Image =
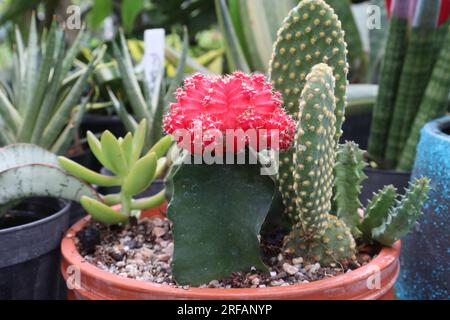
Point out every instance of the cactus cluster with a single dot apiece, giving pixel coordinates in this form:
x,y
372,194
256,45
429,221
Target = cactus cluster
x,y
133,173
313,83
310,34
321,166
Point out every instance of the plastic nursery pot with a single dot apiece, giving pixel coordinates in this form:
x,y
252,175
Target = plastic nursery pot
x,y
97,123
378,178
372,281
30,235
356,126
425,273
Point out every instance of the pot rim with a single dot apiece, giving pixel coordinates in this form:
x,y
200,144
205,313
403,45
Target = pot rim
x,y
65,206
385,258
436,126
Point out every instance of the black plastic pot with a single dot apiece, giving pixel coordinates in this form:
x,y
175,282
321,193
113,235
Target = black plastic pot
x,y
30,236
87,160
356,127
97,123
378,178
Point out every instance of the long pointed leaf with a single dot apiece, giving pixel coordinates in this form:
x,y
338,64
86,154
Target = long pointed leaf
x,y
235,55
47,63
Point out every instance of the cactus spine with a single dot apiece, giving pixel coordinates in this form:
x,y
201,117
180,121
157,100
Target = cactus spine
x,y
349,176
310,34
402,218
376,210
318,235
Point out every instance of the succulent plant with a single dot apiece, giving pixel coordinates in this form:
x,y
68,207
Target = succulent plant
x,y
144,104
27,170
42,106
319,165
412,90
132,172
311,34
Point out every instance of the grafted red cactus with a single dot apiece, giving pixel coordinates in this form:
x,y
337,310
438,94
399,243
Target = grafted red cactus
x,y
208,106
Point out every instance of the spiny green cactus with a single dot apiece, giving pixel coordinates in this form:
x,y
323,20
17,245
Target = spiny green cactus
x,y
349,176
403,217
318,235
376,210
310,34
356,55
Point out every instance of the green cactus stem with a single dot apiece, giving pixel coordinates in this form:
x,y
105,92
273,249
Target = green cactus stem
x,y
317,236
356,55
434,104
349,176
377,209
310,34
391,70
416,72
213,237
402,218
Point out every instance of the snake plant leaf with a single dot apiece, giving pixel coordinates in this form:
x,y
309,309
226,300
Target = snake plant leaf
x,y
23,153
179,72
31,113
101,212
41,180
74,50
129,80
51,96
88,175
112,150
13,120
215,236
57,122
127,120
29,82
140,175
66,137
235,55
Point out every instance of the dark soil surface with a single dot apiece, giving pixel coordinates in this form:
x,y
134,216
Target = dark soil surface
x,y
143,250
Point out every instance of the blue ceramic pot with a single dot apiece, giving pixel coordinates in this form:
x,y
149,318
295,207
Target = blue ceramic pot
x,y
425,259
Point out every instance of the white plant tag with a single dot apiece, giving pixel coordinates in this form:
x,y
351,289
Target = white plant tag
x,y
153,61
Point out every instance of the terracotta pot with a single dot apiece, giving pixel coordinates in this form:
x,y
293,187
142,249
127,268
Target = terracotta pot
x,y
96,284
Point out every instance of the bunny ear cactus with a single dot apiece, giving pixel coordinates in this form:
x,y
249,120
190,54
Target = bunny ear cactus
x,y
132,173
310,34
319,165
318,235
